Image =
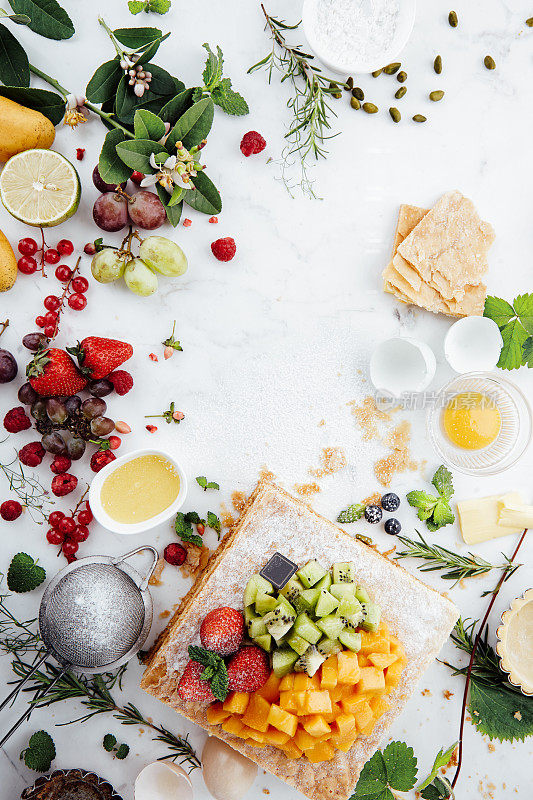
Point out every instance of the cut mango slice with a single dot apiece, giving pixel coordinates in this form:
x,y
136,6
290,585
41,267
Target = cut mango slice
x,y
236,702
318,703
216,714
282,720
316,725
256,714
382,660
270,690
348,667
322,751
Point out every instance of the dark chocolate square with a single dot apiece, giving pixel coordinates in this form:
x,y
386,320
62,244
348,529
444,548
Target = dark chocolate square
x,y
279,570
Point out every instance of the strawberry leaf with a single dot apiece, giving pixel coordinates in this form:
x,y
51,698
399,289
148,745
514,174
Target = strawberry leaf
x,y
400,765
500,713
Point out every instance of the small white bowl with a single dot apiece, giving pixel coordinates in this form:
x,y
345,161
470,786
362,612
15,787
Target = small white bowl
x,y
473,344
135,527
402,364
406,21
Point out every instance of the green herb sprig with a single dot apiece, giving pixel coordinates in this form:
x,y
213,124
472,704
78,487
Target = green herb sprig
x,y
218,88
29,490
110,745
24,574
515,322
40,752
351,513
184,522
202,481
156,6
435,511
215,672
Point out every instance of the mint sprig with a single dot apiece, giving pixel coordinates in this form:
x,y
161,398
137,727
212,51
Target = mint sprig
x,y
157,6
435,511
215,672
184,522
202,481
219,88
515,322
24,574
40,752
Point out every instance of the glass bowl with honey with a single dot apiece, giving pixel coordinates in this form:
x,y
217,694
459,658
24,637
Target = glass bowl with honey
x,y
138,491
479,423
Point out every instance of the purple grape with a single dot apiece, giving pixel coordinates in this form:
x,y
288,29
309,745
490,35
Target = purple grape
x,y
56,410
8,366
146,210
101,426
54,443
93,407
110,212
75,446
38,410
27,394
101,185
72,404
100,388
33,341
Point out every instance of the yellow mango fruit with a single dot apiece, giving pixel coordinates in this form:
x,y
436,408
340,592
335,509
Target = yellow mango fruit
x,y
22,128
8,261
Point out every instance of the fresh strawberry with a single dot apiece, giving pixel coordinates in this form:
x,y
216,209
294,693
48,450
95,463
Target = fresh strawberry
x,y
53,372
98,357
191,685
248,670
222,630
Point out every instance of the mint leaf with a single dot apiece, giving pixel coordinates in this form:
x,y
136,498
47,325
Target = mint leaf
x,y
229,100
213,67
443,482
40,752
122,752
351,513
422,500
218,87
184,529
202,481
442,514
523,305
213,521
136,6
435,511
439,789
442,759
215,670
109,742
514,336
498,310
192,516
24,574
400,766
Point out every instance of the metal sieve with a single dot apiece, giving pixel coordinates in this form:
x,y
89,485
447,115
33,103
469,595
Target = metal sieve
x,y
94,616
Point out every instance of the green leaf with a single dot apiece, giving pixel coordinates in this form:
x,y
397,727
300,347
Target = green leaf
x,y
24,574
400,766
215,672
228,100
184,529
122,752
443,482
514,336
201,480
205,196
193,126
159,6
47,17
162,89
179,104
176,196
14,65
148,126
523,305
50,104
442,514
136,153
192,516
137,38
109,742
173,212
103,84
40,752
373,778
527,352
352,513
439,789
498,310
442,759
500,713
213,521
422,500
136,6
152,49
213,67
110,166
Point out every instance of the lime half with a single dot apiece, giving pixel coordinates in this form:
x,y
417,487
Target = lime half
x,y
40,187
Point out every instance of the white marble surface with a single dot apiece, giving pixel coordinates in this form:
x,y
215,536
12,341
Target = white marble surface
x,y
279,339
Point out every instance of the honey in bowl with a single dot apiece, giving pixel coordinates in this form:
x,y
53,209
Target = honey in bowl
x,y
471,420
140,489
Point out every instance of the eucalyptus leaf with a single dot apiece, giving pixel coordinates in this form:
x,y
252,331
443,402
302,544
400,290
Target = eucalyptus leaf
x,y
110,166
148,125
14,65
104,82
50,104
136,153
173,212
47,17
137,38
179,104
193,125
205,197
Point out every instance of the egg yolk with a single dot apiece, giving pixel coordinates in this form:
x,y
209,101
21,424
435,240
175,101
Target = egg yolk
x,y
471,420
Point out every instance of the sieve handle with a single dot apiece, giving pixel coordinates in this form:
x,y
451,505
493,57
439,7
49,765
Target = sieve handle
x,y
155,558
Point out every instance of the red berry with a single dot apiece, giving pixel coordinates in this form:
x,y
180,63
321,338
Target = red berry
x,y
50,318
65,247
187,223
80,152
137,177
89,249
114,442
55,518
60,464
200,528
67,525
16,420
27,265
85,517
121,380
10,510
51,303
54,536
100,459
63,273
51,256
252,143
248,670
80,284
151,428
77,302
40,322
175,554
69,548
224,249
70,559
31,454
222,630
213,220
49,331
64,484
80,534
27,246
153,357
192,687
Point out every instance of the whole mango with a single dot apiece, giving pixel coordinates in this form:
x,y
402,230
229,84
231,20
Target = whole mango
x,y
22,128
8,264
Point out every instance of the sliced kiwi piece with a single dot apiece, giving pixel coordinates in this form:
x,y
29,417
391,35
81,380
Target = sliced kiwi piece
x,y
349,606
264,641
307,629
298,644
283,602
279,622
255,585
371,616
340,590
309,598
312,573
310,661
249,615
344,572
362,594
325,582
265,603
283,661
331,625
292,589
257,627
351,640
326,604
329,647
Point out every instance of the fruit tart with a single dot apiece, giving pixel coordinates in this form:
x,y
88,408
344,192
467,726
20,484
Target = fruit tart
x,y
299,645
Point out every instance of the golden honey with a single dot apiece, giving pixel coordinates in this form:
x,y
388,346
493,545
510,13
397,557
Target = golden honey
x,y
471,420
140,489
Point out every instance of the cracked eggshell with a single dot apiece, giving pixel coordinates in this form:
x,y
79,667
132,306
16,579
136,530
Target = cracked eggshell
x,y
227,774
163,780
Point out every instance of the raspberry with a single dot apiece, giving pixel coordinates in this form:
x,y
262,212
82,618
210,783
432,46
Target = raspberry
x,y
222,630
175,554
31,454
60,464
64,484
252,143
101,459
153,357
151,428
16,420
121,380
80,152
187,223
224,249
10,510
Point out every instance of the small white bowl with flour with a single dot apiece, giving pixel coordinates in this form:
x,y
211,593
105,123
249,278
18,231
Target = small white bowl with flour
x,y
358,36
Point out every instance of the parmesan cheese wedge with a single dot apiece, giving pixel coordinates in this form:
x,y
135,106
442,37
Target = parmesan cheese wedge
x,y
479,518
514,515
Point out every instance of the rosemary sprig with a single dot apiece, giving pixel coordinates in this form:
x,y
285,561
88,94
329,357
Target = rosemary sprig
x,y
28,489
16,637
486,664
455,567
309,102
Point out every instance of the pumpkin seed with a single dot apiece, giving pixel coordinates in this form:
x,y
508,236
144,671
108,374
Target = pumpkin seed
x,y
401,77
489,62
376,73
419,118
390,69
436,96
348,86
354,102
452,19
400,93
529,22
357,92
437,65
370,108
395,114
366,539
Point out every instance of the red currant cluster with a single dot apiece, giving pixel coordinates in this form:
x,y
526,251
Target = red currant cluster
x,y
69,531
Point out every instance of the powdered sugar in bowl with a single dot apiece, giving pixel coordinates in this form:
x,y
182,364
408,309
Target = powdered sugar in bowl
x,y
351,36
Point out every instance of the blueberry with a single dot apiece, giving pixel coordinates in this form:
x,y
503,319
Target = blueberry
x,y
392,526
373,514
390,502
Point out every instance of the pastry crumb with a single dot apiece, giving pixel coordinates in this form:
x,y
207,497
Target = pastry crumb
x,y
491,747
517,715
164,614
306,489
447,694
197,558
227,519
155,578
265,474
426,693
332,460
321,423
238,501
372,500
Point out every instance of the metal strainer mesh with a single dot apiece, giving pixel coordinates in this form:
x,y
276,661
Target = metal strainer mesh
x,y
94,616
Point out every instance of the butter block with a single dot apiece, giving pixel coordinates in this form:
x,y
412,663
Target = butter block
x,y
514,515
479,518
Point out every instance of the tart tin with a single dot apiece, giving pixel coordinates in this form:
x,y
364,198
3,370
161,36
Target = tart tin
x,y
77,779
507,663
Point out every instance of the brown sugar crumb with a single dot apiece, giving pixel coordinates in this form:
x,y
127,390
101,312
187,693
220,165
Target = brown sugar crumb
x,y
372,500
164,614
332,460
399,459
367,416
447,694
426,693
321,423
197,558
518,716
238,501
155,578
306,489
265,474
491,747
266,791
387,553
227,520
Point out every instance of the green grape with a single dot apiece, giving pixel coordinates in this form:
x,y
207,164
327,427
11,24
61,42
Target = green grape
x,y
107,265
139,279
163,255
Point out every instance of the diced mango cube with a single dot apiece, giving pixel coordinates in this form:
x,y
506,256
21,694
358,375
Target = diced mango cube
x,y
344,724
282,720
287,682
236,702
395,645
353,704
373,643
348,667
371,679
300,701
257,736
270,690
314,682
232,725
291,750
275,737
328,677
379,705
256,714
302,682
318,703
393,673
382,660
343,743
336,693
316,725
287,700
363,716
334,713
322,751
216,714
304,740
367,729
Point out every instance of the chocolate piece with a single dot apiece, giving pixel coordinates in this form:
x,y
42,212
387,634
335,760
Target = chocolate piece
x,y
278,570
